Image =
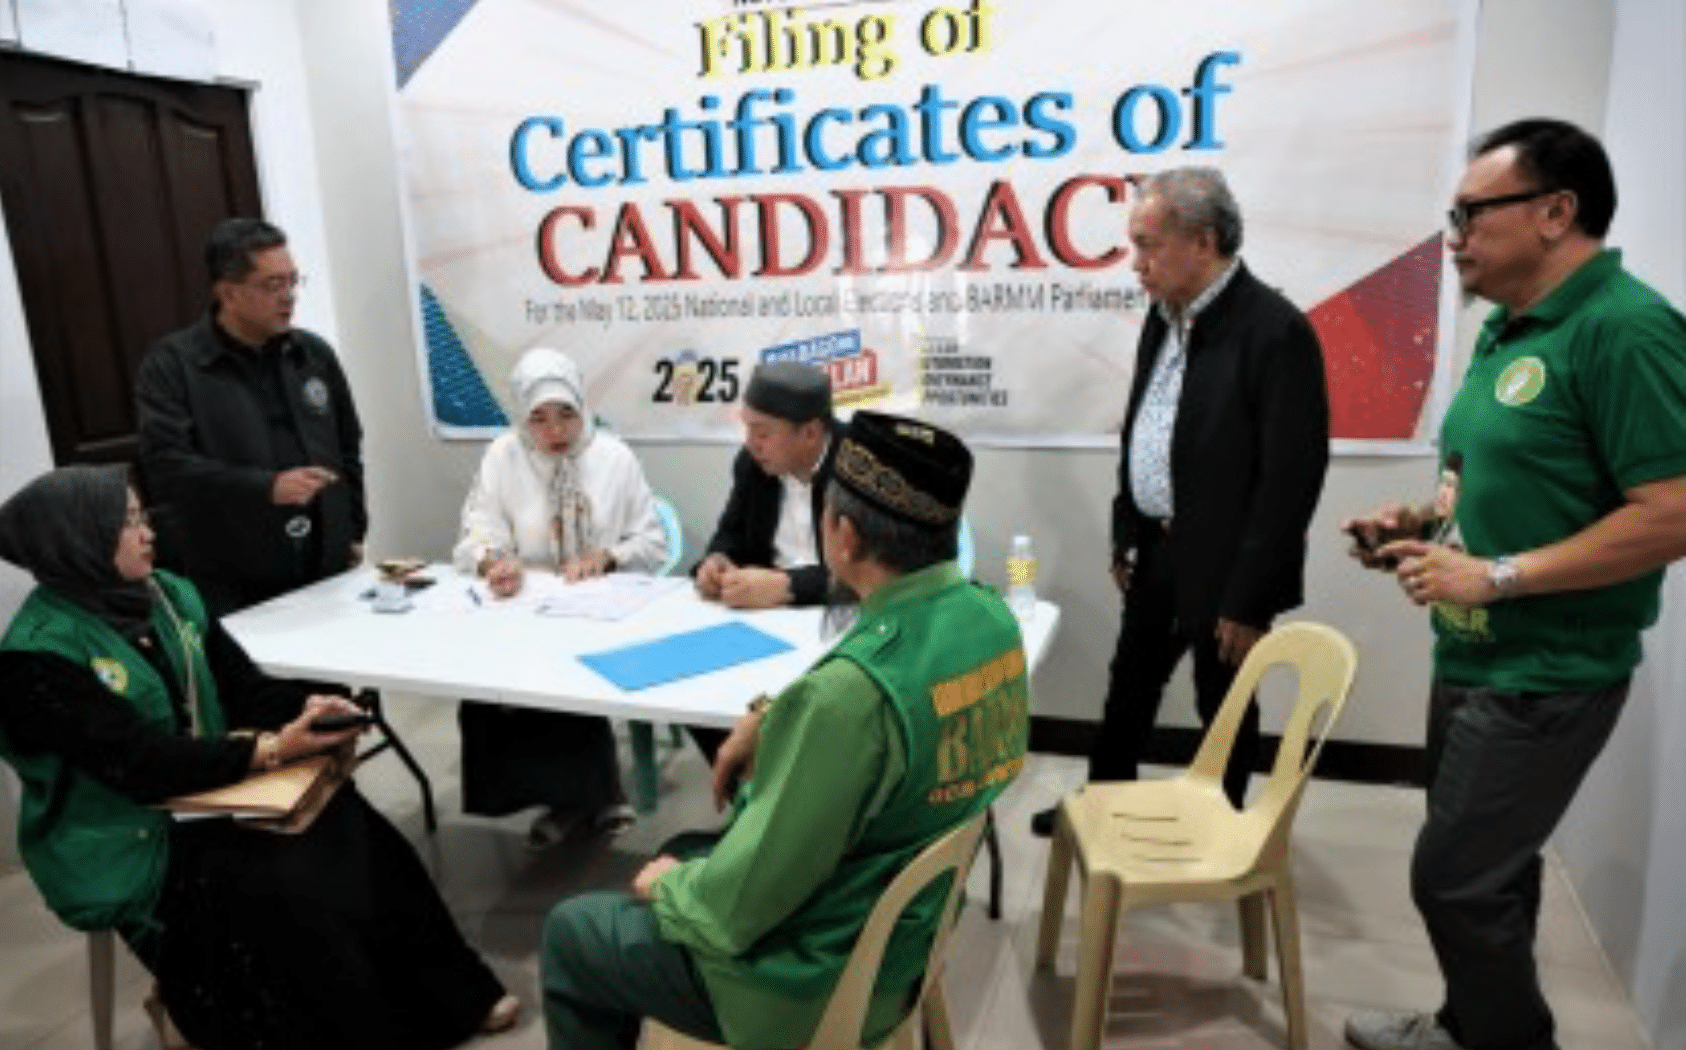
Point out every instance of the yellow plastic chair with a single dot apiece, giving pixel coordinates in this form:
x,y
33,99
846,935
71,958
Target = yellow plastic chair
x,y
840,1026
102,996
1150,842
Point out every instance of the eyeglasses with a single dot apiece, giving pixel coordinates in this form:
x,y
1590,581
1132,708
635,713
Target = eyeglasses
x,y
1463,213
137,518
278,284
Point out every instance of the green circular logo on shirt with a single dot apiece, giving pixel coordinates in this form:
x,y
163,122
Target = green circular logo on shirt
x,y
1521,382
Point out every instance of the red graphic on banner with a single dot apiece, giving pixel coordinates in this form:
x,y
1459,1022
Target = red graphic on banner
x,y
1379,343
854,373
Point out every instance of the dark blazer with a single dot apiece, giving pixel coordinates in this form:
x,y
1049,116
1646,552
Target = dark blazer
x,y
209,469
1248,454
751,518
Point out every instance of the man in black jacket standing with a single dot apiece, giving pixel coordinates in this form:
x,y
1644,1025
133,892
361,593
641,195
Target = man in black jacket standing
x,y
250,445
766,550
1225,445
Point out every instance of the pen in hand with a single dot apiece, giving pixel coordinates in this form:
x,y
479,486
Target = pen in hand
x,y
472,593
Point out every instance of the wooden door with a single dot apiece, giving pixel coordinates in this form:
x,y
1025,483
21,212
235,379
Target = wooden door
x,y
110,183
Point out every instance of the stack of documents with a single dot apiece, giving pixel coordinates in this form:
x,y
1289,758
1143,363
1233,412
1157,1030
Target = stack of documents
x,y
612,597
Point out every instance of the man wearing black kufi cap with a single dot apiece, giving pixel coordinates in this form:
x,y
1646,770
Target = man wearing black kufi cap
x,y
766,551
914,722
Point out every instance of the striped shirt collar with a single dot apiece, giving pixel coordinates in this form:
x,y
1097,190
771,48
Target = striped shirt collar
x,y
1201,301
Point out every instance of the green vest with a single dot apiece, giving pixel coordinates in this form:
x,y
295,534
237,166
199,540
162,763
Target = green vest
x,y
97,857
953,666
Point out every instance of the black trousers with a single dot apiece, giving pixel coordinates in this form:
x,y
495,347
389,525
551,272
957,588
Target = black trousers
x,y
708,740
1150,644
515,757
1502,770
335,939
225,596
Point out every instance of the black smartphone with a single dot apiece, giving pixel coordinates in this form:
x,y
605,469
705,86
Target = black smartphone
x,y
335,723
1364,542
1368,546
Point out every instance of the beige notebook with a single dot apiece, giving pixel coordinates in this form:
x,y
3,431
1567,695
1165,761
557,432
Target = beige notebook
x,y
284,799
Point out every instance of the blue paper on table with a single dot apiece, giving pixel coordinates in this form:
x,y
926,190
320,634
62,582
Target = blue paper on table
x,y
684,655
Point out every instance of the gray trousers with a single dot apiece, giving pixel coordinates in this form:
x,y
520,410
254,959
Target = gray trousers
x,y
605,967
1502,769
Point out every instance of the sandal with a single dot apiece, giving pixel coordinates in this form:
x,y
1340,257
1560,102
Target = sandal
x,y
502,1017
615,820
169,1037
551,828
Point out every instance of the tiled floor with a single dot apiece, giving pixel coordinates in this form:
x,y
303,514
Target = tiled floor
x,y
1178,981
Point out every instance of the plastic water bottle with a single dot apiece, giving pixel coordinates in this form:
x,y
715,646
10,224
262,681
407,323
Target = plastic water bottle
x,y
1021,578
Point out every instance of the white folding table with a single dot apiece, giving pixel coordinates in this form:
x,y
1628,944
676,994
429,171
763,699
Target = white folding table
x,y
453,647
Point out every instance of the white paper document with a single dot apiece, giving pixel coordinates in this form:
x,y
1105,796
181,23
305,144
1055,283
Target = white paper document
x,y
612,597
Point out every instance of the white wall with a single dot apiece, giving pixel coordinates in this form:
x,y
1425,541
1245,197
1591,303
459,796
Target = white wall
x,y
415,481
1624,842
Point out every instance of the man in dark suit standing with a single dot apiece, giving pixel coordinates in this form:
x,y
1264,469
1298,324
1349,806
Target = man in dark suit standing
x,y
1225,444
250,443
766,551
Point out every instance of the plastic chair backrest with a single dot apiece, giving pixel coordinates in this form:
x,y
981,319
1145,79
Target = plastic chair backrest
x,y
1326,662
965,555
674,534
845,1016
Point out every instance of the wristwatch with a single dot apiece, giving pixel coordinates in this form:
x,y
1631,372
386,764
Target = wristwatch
x,y
1505,577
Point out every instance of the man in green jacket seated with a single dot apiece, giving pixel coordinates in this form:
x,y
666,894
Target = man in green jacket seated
x,y
914,722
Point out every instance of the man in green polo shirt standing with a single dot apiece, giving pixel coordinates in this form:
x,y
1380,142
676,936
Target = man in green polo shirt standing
x,y
1564,471
914,722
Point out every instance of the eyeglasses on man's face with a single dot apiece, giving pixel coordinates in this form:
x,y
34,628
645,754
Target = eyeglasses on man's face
x,y
278,283
1463,213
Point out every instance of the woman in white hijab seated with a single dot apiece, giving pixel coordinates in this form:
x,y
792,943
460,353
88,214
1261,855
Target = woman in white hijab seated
x,y
554,495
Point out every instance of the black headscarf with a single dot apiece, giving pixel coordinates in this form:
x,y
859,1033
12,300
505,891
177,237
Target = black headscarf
x,y
63,529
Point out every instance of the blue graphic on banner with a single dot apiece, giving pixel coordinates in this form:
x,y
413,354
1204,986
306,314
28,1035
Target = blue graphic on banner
x,y
418,28
460,397
817,349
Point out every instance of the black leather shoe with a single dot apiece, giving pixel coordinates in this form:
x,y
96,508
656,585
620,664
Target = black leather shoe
x,y
1042,824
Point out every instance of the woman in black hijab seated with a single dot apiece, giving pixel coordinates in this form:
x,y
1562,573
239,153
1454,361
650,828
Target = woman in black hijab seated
x,y
117,692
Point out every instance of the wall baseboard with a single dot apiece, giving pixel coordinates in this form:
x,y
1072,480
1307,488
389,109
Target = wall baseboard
x,y
1175,746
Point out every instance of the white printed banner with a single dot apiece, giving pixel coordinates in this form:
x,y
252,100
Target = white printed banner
x,y
929,199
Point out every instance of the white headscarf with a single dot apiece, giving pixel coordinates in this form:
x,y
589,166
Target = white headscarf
x,y
544,375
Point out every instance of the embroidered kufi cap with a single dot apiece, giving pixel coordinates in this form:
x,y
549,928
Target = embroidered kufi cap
x,y
907,468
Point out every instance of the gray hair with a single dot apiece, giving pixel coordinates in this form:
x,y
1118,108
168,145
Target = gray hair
x,y
893,543
1198,199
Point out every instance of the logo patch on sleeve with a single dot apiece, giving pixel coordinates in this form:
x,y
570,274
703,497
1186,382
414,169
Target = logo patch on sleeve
x,y
112,674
